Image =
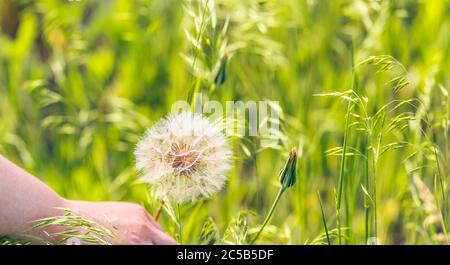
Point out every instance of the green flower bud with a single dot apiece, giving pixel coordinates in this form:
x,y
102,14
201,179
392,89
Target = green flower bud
x,y
288,174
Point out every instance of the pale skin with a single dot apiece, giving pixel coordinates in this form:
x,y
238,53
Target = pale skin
x,y
24,199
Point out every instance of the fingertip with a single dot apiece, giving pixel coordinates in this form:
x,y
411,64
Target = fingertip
x,y
154,222
163,239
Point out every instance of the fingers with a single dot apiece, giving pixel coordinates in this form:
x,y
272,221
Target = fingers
x,y
155,234
153,222
160,238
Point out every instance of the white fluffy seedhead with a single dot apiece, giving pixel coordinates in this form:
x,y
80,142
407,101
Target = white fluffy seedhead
x,y
183,157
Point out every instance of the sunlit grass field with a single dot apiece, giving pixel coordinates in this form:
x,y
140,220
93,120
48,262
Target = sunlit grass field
x,y
362,88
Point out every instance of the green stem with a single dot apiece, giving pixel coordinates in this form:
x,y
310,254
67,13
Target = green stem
x,y
366,186
373,190
341,173
324,221
344,153
269,215
180,225
443,213
196,85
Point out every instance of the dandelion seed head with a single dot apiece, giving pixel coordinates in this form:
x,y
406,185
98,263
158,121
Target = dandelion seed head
x,y
184,156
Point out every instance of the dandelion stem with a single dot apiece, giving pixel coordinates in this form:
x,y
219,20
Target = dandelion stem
x,y
159,210
180,225
269,215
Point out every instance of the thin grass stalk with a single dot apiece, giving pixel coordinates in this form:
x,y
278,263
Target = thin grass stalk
x,y
443,212
438,206
344,153
443,181
373,189
269,215
324,221
446,157
445,125
196,85
366,198
341,174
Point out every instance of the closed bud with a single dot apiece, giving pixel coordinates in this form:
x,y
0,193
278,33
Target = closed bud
x,y
288,174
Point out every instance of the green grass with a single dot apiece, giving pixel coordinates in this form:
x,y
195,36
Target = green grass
x,y
81,81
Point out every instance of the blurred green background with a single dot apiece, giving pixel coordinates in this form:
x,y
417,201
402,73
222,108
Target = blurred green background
x,y
80,81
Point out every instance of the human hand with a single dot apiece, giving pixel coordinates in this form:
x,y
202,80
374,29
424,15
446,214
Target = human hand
x,y
129,222
24,199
